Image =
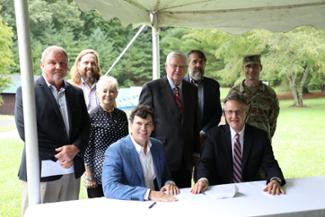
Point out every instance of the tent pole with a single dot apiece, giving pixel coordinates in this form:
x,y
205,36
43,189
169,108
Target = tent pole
x,y
125,49
28,94
155,46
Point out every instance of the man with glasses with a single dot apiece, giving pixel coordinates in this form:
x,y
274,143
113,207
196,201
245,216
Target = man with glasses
x,y
262,100
235,152
174,102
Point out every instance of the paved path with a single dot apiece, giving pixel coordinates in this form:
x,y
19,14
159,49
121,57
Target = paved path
x,y
9,134
8,122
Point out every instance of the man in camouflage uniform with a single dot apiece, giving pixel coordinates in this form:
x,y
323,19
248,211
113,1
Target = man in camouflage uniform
x,y
264,105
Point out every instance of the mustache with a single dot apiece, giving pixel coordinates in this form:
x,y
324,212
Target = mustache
x,y
91,79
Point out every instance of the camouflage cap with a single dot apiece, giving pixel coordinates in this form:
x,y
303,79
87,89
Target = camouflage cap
x,y
252,59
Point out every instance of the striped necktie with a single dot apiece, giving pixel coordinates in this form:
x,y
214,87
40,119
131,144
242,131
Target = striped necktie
x,y
178,99
237,167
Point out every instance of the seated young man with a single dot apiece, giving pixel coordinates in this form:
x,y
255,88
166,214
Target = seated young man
x,y
135,166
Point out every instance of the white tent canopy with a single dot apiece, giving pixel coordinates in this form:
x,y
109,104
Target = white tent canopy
x,y
234,16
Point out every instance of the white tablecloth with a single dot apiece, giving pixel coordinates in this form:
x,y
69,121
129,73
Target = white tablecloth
x,y
304,197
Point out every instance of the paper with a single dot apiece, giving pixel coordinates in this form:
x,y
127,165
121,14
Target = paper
x,y
214,192
53,168
222,191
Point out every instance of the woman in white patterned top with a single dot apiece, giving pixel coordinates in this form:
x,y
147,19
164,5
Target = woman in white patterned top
x,y
108,124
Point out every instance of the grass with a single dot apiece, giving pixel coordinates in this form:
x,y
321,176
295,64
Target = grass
x,y
299,146
10,186
6,129
5,119
10,197
299,141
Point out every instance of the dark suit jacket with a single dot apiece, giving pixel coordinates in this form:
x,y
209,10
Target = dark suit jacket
x,y
50,125
216,158
212,110
177,131
123,177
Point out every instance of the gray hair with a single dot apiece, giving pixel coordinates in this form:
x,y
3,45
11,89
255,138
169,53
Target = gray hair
x,y
175,53
234,96
52,48
107,80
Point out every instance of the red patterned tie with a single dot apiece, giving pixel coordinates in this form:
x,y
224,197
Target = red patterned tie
x,y
178,99
237,168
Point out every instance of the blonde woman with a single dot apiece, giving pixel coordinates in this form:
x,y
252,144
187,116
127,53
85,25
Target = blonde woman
x,y
108,124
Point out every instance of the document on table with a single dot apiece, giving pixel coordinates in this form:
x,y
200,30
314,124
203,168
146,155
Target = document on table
x,y
222,191
53,168
214,192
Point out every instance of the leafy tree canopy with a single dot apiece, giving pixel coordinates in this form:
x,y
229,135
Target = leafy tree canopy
x,y
292,60
6,55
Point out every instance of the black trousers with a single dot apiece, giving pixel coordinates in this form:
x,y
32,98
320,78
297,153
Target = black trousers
x,y
95,192
182,178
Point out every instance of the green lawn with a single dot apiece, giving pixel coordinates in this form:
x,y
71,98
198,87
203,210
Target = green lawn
x,y
10,197
299,141
5,119
299,146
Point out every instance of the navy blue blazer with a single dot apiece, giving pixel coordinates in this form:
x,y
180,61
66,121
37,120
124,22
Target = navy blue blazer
x,y
50,125
216,162
122,176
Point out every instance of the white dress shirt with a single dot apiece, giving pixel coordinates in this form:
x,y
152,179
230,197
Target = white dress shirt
x,y
147,166
233,139
89,95
61,100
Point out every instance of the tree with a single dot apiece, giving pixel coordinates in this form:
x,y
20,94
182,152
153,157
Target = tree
x,y
52,17
6,56
48,22
297,56
294,59
134,68
101,42
186,39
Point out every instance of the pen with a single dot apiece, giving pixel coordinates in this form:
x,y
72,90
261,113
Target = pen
x,y
151,205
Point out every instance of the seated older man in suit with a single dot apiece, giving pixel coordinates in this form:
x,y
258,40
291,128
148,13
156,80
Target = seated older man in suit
x,y
135,166
235,152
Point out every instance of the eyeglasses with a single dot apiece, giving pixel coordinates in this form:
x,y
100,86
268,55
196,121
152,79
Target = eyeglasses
x,y
231,112
174,66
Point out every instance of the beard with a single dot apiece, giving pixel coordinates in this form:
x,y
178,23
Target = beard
x,y
196,75
89,76
57,78
91,79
